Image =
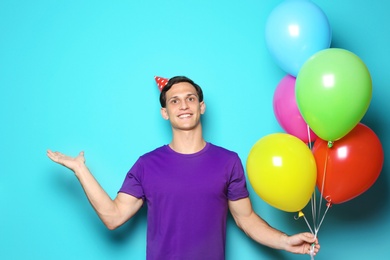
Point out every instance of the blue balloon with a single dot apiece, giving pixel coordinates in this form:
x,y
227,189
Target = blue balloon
x,y
296,30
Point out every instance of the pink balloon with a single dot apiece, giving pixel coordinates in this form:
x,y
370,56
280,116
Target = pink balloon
x,y
287,112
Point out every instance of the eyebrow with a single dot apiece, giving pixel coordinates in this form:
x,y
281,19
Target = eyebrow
x,y
188,95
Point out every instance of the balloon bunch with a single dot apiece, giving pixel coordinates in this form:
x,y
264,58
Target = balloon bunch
x,y
320,101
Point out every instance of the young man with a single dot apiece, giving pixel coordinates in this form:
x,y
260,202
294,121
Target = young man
x,y
189,186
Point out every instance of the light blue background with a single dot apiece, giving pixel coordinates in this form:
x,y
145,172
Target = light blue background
x,y
78,75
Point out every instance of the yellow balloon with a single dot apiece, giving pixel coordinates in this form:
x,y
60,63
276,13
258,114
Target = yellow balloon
x,y
282,171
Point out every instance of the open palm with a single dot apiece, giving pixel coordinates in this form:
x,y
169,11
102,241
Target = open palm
x,y
70,162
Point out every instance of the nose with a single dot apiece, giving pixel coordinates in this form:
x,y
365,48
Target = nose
x,y
183,105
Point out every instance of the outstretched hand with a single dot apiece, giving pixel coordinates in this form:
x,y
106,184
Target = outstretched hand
x,y
70,162
303,243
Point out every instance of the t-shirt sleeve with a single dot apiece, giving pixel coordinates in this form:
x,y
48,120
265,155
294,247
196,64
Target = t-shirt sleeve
x,y
132,184
237,186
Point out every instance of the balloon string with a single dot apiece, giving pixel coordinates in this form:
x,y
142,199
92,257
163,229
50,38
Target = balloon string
x,y
314,208
312,246
313,198
300,214
308,135
316,217
323,179
317,230
323,217
307,223
312,252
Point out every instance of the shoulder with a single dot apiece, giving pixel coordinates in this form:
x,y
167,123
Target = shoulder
x,y
159,150
150,158
222,151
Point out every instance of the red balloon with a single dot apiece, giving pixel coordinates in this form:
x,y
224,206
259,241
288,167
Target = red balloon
x,y
350,166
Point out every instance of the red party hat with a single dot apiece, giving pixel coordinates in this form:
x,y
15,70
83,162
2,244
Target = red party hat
x,y
161,82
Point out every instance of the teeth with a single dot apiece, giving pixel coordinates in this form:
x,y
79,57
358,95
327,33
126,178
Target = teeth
x,y
184,116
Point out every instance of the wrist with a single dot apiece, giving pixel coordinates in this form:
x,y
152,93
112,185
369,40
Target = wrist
x,y
284,241
80,169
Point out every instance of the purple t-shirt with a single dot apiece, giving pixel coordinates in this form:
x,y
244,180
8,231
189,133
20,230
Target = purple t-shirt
x,y
187,198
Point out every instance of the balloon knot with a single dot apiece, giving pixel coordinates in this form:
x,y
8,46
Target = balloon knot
x,y
300,214
329,201
330,144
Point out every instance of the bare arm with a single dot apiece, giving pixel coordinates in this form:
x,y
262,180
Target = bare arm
x,y
113,213
259,230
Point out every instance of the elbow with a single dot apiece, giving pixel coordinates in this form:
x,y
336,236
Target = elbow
x,y
111,227
246,223
111,224
238,223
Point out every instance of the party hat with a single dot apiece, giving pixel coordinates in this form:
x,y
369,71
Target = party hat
x,y
161,82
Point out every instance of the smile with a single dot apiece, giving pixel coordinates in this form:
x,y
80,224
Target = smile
x,y
184,115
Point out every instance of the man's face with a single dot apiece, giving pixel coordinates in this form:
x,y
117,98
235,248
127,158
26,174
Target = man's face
x,y
183,108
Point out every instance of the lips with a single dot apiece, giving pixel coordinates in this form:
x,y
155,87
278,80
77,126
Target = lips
x,y
185,115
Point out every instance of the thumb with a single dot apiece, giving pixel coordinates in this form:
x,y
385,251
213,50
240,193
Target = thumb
x,y
81,156
308,237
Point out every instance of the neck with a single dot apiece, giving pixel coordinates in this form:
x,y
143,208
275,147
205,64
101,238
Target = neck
x,y
187,142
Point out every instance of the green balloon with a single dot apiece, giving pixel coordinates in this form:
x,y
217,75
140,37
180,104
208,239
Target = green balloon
x,y
333,92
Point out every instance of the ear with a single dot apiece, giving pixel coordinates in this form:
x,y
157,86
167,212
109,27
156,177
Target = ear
x,y
164,113
202,107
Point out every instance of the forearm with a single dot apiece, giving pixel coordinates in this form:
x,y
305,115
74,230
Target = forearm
x,y
113,213
261,232
255,227
104,206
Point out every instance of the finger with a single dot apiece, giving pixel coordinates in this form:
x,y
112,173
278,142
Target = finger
x,y
50,154
312,250
54,156
311,238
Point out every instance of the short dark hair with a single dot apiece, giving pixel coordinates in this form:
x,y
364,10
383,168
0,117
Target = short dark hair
x,y
175,80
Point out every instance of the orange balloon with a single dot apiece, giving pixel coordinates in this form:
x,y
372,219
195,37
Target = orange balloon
x,y
350,166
